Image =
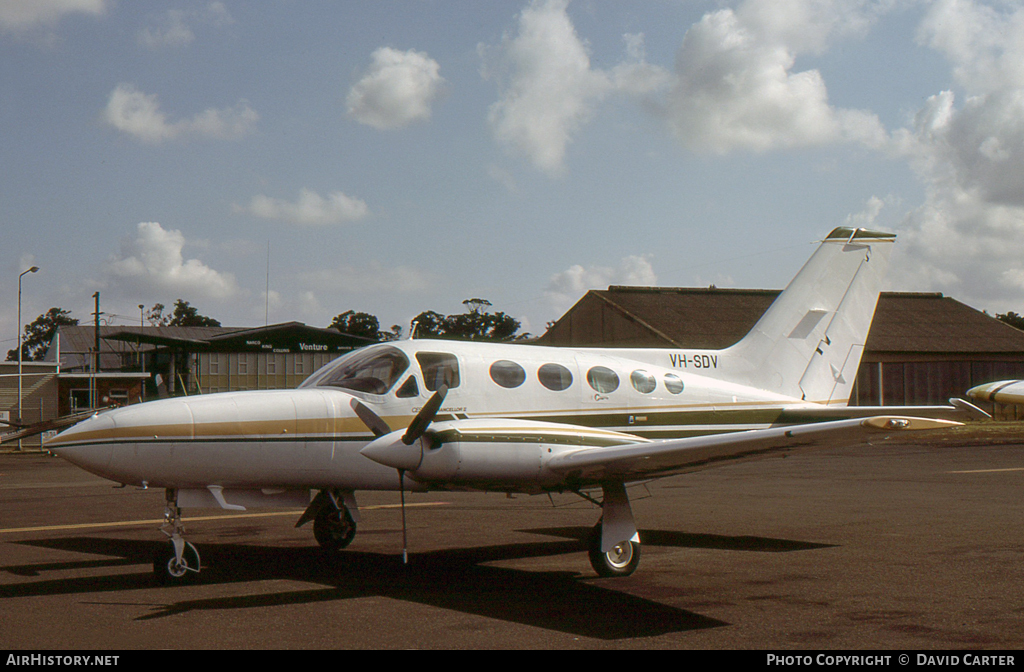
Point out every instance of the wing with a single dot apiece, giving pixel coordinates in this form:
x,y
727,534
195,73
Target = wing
x,y
676,456
958,409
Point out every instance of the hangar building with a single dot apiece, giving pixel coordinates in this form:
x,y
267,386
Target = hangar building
x,y
923,348
142,363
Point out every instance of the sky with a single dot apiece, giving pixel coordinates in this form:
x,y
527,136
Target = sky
x,y
279,160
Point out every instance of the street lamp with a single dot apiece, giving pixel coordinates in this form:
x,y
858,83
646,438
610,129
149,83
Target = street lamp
x,y
31,270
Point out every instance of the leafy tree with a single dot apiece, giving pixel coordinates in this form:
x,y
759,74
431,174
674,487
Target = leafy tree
x,y
1012,319
429,324
184,315
359,324
476,324
364,325
40,333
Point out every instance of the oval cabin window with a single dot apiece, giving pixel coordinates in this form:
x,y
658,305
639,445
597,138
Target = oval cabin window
x,y
554,377
673,383
507,374
603,379
642,381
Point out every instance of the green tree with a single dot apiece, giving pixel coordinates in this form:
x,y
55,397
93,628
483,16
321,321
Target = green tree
x,y
354,323
363,325
429,324
476,324
1012,319
184,315
40,333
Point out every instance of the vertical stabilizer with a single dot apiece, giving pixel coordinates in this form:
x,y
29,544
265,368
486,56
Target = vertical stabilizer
x,y
809,343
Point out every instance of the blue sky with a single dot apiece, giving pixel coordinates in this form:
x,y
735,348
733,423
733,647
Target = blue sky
x,y
396,157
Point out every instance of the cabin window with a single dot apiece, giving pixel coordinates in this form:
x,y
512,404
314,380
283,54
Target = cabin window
x,y
642,381
673,383
554,377
603,379
374,371
438,368
507,374
408,389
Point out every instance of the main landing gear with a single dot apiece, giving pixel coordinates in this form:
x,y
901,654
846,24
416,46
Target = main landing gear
x,y
614,543
334,515
178,560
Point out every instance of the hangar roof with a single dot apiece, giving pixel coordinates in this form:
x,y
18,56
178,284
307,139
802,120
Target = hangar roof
x,y
708,317
118,341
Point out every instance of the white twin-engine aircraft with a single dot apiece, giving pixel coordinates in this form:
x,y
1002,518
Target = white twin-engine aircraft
x,y
424,415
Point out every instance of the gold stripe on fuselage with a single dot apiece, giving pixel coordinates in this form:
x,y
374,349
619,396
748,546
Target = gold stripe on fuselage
x,y
663,420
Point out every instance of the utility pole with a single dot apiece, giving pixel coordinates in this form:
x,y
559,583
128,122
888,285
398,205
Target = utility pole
x,y
96,360
142,355
31,270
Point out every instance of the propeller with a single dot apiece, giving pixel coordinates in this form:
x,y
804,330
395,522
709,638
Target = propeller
x,y
391,453
373,422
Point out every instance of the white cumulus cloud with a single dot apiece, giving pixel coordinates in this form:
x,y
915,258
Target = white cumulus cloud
x,y
566,287
735,87
310,209
174,28
153,264
548,88
30,14
967,238
139,115
397,89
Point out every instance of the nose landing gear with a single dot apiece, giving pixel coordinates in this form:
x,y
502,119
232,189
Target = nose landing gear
x,y
178,561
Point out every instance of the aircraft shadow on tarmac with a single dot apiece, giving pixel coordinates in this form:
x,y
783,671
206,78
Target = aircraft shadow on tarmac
x,y
454,579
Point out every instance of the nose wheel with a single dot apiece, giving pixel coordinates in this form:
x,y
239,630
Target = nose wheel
x,y
178,561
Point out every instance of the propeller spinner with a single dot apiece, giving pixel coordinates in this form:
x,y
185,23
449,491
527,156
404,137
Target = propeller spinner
x,y
404,452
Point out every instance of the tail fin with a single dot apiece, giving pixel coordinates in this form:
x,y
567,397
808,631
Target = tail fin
x,y
809,343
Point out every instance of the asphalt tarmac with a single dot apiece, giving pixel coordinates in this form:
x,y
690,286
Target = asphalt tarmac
x,y
907,547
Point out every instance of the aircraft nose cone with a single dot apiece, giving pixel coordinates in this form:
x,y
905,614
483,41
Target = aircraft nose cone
x,y
87,443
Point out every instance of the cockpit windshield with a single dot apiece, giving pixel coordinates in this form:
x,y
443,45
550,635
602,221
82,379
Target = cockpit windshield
x,y
373,371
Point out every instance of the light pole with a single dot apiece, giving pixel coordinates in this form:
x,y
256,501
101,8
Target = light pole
x,y
31,270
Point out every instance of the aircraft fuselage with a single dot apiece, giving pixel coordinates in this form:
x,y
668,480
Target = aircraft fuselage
x,y
310,437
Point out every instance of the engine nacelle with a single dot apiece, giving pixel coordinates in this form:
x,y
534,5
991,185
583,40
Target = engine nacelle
x,y
488,452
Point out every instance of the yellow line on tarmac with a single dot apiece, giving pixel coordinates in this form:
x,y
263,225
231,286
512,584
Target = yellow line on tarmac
x,y
987,471
131,523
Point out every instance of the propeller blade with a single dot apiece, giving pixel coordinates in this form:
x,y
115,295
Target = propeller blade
x,y
372,421
426,415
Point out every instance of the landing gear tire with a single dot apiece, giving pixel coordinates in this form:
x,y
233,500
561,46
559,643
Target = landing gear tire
x,y
621,560
168,570
334,530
